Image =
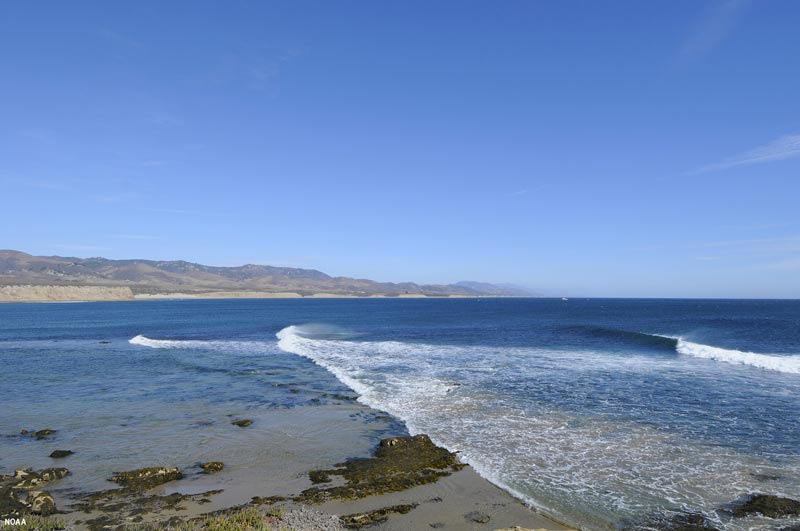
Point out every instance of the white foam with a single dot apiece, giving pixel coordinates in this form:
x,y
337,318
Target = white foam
x,y
249,347
787,364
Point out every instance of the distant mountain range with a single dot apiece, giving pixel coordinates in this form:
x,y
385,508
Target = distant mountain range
x,y
152,277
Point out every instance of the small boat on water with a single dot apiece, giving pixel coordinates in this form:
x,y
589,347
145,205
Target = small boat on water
x,y
564,299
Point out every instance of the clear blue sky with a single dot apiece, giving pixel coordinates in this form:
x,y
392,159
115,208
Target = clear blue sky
x,y
592,148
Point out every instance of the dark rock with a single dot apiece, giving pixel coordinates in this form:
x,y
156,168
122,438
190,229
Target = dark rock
x,y
212,466
359,520
29,479
477,517
57,454
43,434
9,504
437,525
690,522
399,463
319,476
147,478
242,423
269,500
768,505
41,503
104,342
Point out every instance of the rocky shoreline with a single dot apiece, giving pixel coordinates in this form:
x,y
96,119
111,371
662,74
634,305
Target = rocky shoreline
x,y
399,466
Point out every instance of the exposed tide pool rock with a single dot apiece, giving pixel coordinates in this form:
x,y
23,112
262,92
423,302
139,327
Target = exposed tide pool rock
x,y
399,463
28,478
359,520
17,494
58,454
243,423
41,503
39,434
212,467
146,478
477,517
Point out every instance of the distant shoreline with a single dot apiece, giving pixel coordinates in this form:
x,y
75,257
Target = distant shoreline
x,y
52,293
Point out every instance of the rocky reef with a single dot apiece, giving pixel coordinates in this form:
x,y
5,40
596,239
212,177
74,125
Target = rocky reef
x,y
399,463
19,492
212,467
359,520
146,478
58,454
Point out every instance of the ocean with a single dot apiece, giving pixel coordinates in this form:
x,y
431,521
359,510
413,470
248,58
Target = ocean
x,y
600,412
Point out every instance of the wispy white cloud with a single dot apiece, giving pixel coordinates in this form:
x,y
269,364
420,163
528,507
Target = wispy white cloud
x,y
712,29
785,147
517,193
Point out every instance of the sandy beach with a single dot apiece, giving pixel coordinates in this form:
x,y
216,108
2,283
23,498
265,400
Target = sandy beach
x,y
268,467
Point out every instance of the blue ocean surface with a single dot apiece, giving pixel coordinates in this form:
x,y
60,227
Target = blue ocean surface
x,y
601,412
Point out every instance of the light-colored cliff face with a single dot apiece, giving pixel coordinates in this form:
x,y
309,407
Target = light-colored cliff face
x,y
63,293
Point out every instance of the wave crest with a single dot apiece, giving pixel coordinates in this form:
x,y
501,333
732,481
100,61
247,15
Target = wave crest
x,y
787,364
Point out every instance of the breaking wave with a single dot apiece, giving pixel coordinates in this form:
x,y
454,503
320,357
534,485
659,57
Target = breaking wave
x,y
581,468
785,364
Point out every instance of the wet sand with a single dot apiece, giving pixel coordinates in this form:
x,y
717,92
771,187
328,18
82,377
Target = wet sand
x,y
454,502
272,459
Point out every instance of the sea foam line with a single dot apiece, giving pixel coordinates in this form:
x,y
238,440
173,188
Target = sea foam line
x,y
785,364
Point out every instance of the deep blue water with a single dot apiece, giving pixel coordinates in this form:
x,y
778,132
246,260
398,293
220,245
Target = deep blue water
x,y
599,411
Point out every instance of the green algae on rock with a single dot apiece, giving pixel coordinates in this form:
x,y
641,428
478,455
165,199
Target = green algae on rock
x,y
477,517
399,463
39,434
58,454
28,478
41,503
147,478
17,496
359,520
114,508
212,466
242,423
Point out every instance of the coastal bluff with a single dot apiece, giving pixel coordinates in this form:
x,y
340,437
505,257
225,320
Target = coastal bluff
x,y
30,293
